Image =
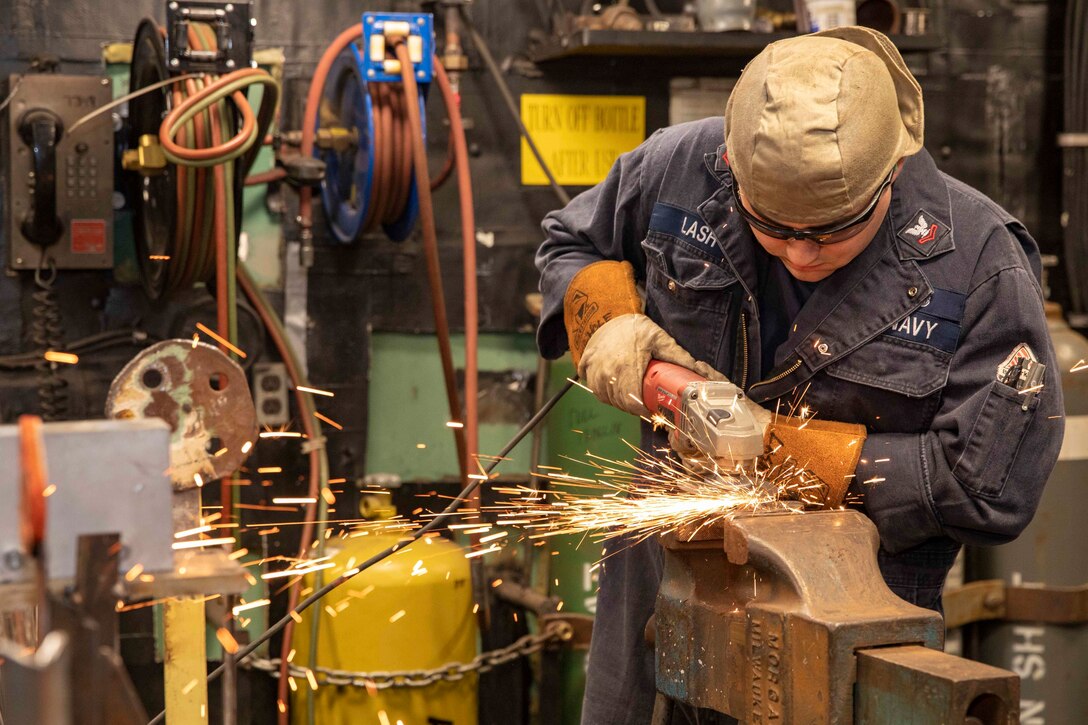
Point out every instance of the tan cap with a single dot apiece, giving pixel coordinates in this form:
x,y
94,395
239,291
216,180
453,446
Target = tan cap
x,y
815,123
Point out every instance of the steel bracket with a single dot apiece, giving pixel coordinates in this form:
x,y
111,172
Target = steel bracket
x,y
993,599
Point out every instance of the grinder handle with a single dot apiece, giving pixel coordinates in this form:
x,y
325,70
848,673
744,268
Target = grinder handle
x,y
663,385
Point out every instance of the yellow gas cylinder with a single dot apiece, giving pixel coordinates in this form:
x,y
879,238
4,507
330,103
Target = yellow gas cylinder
x,y
412,611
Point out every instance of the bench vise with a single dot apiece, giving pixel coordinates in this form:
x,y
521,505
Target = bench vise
x,y
785,618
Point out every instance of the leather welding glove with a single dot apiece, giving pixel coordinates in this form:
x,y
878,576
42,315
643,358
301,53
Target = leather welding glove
x,y
610,339
819,455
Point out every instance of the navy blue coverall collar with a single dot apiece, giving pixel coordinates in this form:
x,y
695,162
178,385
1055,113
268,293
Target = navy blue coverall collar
x,y
881,285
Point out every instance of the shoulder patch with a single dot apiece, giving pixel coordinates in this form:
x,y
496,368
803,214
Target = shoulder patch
x,y
687,226
924,233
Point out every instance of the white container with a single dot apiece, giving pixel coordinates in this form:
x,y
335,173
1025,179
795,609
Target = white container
x,y
825,14
724,15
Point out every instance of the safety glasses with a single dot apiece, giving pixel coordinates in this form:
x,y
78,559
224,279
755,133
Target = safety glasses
x,y
828,235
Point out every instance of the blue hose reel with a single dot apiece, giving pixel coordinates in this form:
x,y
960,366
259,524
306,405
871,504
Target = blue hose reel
x,y
347,103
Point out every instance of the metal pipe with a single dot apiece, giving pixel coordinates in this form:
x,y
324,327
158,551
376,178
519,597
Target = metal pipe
x,y
508,98
526,598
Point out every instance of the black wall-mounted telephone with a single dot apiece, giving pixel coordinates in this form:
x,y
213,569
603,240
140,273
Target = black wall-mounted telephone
x,y
59,184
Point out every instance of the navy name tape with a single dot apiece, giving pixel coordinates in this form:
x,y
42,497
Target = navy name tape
x,y
935,324
946,304
686,226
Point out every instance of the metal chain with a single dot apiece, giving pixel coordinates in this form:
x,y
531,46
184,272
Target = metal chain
x,y
450,672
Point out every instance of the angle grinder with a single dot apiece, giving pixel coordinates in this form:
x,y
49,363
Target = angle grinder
x,y
711,419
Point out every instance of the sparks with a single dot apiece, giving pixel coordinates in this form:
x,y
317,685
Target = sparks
x,y
192,532
330,421
66,358
250,605
294,499
220,339
299,571
644,497
473,554
227,640
200,543
314,391
280,434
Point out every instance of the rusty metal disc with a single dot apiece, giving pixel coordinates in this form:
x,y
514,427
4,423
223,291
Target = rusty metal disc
x,y
202,394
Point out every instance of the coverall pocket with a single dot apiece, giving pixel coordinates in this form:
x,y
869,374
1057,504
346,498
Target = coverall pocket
x,y
902,367
687,294
994,441
888,385
691,270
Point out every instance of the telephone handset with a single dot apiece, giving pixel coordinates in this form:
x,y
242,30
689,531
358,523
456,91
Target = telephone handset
x,y
41,130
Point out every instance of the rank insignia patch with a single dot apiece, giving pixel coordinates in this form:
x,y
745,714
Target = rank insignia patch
x,y
924,232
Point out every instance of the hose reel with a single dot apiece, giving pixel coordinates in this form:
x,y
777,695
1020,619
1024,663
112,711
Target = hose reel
x,y
363,133
177,196
154,196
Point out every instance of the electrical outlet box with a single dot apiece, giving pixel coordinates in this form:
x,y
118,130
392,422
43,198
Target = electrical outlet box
x,y
59,181
270,394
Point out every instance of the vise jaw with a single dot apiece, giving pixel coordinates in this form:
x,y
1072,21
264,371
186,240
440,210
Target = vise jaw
x,y
764,618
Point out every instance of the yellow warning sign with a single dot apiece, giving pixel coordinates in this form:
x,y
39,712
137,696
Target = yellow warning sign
x,y
579,136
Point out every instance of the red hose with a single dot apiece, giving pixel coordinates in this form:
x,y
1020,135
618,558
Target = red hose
x,y
219,148
32,497
468,242
430,248
266,177
309,116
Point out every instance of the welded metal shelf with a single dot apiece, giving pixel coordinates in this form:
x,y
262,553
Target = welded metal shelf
x,y
652,43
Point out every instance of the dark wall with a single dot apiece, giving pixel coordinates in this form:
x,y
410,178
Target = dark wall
x,y
992,107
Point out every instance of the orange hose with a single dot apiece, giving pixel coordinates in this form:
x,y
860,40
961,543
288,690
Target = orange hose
x,y
309,117
32,512
32,498
468,242
447,166
430,248
266,177
220,148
